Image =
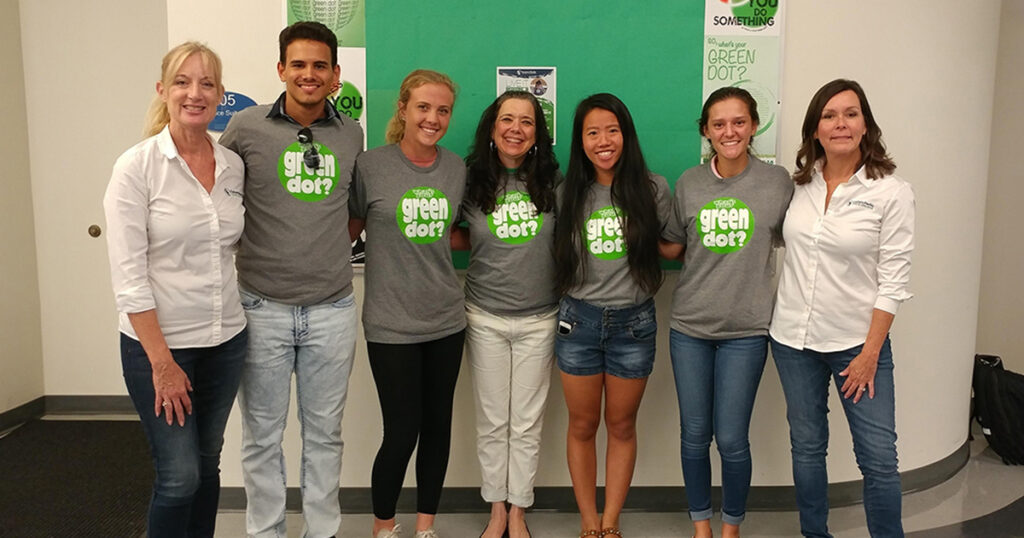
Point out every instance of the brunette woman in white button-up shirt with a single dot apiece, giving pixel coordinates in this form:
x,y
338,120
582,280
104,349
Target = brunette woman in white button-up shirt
x,y
174,214
849,233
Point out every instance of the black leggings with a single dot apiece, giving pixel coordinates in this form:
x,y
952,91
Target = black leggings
x,y
416,385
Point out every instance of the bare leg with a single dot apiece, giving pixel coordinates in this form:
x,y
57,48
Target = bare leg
x,y
583,400
517,522
702,529
424,521
620,408
380,524
499,519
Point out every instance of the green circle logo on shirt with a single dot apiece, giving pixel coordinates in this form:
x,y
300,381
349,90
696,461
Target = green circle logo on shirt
x,y
423,214
725,225
301,181
603,230
515,219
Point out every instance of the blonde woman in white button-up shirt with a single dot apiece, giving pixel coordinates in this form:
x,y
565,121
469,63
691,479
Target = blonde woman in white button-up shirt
x,y
174,214
849,232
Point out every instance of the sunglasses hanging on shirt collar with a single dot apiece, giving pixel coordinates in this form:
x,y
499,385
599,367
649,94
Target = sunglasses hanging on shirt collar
x,y
310,156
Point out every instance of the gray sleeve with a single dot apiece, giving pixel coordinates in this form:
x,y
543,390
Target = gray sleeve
x,y
786,193
675,230
357,192
663,197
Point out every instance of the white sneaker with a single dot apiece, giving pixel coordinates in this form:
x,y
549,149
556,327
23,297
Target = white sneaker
x,y
390,533
429,533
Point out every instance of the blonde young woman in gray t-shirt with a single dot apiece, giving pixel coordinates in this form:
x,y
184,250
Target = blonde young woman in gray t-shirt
x,y
407,194
510,299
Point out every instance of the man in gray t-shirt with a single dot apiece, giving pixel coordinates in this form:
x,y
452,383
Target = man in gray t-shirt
x,y
296,281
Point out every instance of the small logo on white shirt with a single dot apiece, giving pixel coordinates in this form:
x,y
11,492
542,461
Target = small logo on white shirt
x,y
862,203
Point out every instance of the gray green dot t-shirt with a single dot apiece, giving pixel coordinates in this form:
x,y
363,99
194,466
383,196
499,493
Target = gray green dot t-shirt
x,y
730,227
511,264
608,282
412,293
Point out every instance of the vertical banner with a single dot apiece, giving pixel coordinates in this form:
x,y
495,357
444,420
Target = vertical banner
x,y
540,81
347,19
742,47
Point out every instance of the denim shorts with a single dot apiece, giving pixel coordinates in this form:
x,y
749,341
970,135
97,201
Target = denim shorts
x,y
593,340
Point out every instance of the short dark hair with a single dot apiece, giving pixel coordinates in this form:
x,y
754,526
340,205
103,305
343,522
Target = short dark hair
x,y
721,94
311,30
874,157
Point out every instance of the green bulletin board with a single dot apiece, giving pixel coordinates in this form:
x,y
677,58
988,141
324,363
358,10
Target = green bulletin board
x,y
647,53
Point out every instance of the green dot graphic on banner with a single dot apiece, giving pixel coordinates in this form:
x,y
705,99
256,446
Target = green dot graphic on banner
x,y
515,219
423,214
350,101
725,225
301,181
755,14
603,230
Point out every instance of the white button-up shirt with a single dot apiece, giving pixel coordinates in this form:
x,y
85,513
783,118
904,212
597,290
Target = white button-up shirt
x,y
843,262
171,244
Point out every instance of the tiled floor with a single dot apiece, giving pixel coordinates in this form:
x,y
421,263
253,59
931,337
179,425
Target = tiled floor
x,y
984,486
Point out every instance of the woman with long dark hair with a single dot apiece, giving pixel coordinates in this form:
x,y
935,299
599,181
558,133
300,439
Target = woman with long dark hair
x,y
849,234
728,214
510,299
611,217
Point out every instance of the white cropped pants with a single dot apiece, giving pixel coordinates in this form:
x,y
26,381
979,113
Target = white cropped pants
x,y
511,359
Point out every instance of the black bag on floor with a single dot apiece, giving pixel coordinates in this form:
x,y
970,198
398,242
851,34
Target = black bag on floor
x,y
999,407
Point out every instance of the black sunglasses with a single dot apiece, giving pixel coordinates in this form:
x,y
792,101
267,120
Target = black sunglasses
x,y
310,156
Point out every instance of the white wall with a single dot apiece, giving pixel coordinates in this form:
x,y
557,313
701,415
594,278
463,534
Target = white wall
x,y
928,68
1002,294
90,68
21,353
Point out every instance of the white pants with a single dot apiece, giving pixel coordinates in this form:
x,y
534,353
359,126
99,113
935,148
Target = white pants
x,y
511,358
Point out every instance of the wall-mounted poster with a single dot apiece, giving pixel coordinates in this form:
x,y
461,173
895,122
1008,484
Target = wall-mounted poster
x,y
540,81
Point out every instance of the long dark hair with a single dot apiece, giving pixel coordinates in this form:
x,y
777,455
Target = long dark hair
x,y
632,190
539,168
873,155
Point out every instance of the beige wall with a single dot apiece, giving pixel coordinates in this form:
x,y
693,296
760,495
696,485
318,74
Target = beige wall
x,y
92,66
1001,318
21,354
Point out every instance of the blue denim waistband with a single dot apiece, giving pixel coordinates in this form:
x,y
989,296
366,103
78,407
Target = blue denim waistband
x,y
609,313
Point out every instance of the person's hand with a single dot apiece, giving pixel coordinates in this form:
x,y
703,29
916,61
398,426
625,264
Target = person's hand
x,y
860,376
171,387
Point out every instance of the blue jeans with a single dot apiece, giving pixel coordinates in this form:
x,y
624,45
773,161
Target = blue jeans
x,y
317,344
592,339
805,379
716,381
186,489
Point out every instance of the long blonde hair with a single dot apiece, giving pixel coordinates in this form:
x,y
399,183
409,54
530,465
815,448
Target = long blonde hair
x,y
419,77
157,117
